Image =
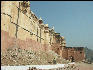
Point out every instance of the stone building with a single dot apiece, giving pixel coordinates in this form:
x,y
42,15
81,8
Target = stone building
x,y
21,27
73,53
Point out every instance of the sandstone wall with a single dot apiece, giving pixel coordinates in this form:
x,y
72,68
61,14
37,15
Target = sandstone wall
x,y
78,55
21,29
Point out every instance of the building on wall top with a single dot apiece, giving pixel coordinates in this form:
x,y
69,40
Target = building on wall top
x,y
57,36
25,5
40,21
63,42
46,28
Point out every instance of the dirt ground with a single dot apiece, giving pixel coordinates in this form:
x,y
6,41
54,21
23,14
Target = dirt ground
x,y
83,66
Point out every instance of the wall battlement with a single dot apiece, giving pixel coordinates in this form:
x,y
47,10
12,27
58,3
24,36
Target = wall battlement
x,y
21,27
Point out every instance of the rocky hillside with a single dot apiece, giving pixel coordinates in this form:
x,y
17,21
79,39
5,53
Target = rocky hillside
x,y
89,54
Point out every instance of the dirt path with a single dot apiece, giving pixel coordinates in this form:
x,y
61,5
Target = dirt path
x,y
84,66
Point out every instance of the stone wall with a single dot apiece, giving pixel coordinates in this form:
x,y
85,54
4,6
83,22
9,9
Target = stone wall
x,y
76,52
21,27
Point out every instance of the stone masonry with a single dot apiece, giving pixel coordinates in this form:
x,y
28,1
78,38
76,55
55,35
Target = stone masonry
x,y
21,27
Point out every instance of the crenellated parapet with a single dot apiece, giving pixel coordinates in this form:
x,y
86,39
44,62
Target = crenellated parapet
x,y
20,26
24,6
63,42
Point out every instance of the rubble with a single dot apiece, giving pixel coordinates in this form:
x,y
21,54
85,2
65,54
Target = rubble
x,y
16,56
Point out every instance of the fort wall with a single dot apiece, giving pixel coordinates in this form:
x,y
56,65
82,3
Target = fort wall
x,y
77,53
21,27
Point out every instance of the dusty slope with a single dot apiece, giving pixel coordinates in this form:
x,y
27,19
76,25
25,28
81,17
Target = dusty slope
x,y
17,56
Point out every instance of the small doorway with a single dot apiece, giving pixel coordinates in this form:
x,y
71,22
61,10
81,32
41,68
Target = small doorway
x,y
71,58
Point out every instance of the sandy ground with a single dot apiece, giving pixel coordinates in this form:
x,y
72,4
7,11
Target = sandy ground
x,y
83,66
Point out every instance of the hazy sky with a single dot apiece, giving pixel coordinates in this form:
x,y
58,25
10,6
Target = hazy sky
x,y
73,20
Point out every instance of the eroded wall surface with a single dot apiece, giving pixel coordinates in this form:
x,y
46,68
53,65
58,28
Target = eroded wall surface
x,y
21,27
77,53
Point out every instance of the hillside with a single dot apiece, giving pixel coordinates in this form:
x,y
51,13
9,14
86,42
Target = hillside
x,y
89,54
